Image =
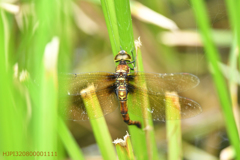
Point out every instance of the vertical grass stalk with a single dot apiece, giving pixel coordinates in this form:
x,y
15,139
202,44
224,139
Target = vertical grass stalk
x,y
126,38
68,141
48,93
149,130
213,59
174,135
233,86
99,125
126,42
11,110
233,57
124,148
44,71
233,12
111,22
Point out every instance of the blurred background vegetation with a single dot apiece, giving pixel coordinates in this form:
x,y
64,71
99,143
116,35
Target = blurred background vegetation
x,y
170,43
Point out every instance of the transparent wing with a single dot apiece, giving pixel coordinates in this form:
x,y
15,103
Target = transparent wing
x,y
75,110
151,89
71,85
161,83
158,103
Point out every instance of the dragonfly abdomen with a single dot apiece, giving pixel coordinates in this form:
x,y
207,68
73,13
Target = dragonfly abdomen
x,y
125,115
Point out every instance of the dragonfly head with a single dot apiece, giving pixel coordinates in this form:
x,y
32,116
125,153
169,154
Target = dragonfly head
x,y
122,56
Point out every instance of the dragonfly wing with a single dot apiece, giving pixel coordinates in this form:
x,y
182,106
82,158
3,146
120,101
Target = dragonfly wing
x,y
76,110
161,83
72,105
73,84
145,103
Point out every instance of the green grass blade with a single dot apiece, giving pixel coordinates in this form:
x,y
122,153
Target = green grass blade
x,y
213,59
124,22
126,38
233,64
68,141
44,92
174,135
11,109
124,148
233,12
99,125
48,93
111,22
149,131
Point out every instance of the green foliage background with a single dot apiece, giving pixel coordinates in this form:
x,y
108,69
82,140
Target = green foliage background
x,y
88,34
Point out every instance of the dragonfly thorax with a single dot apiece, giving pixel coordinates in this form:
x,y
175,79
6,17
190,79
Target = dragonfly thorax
x,y
121,74
122,68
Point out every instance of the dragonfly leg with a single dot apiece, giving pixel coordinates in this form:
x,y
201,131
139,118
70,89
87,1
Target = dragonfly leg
x,y
125,115
133,60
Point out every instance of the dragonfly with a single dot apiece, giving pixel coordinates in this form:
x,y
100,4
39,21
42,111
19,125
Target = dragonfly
x,y
117,88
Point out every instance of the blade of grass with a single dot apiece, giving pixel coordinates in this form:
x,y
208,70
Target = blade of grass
x,y
44,92
68,141
124,23
174,135
48,93
99,125
11,118
124,148
126,39
232,83
149,130
124,26
213,59
111,22
233,11
65,28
